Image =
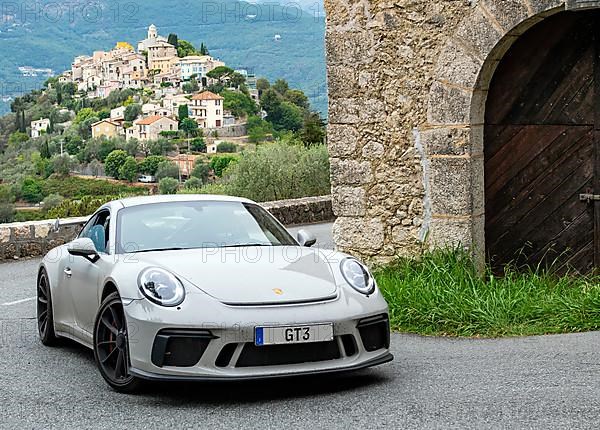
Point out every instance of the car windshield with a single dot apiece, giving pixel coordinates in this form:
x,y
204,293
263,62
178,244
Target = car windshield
x,y
197,224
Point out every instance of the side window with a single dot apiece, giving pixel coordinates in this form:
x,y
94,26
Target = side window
x,y
98,229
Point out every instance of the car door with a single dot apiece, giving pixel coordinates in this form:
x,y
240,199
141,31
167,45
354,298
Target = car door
x,y
84,276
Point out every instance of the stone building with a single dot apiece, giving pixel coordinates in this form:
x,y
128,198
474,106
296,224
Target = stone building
x,y
425,100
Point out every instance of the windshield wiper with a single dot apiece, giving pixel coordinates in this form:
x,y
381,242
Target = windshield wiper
x,y
246,245
161,249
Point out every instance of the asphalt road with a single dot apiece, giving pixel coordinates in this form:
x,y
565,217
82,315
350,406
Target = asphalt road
x,y
539,382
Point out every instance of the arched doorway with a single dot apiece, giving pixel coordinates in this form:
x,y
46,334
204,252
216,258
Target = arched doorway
x,y
542,147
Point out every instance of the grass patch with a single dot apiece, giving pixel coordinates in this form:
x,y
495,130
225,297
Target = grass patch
x,y
442,294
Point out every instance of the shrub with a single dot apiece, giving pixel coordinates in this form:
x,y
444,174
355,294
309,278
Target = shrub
x,y
198,145
62,164
168,186
52,201
193,183
114,161
77,188
82,207
167,169
227,147
220,162
7,212
200,171
31,190
280,171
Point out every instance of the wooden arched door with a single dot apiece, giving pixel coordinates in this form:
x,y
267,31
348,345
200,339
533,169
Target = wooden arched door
x,y
542,147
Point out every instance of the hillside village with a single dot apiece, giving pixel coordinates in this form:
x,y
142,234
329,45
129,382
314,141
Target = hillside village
x,y
156,66
161,117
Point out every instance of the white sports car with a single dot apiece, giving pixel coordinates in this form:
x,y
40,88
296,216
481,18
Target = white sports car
x,y
204,287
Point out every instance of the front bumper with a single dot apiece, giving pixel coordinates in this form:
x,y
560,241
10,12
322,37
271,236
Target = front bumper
x,y
225,350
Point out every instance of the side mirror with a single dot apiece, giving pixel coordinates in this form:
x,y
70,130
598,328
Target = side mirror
x,y
56,226
306,238
84,247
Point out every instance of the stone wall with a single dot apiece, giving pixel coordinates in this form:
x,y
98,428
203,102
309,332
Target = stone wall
x,y
35,238
407,90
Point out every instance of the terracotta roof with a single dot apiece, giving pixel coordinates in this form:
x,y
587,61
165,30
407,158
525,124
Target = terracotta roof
x,y
207,95
151,120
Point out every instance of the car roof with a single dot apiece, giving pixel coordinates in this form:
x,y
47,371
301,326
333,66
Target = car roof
x,y
146,200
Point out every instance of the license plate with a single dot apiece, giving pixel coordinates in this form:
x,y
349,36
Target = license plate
x,y
293,334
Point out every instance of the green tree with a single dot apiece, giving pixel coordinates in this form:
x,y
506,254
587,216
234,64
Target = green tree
x,y
227,147
198,145
262,84
159,147
219,163
168,186
220,73
183,112
313,130
190,87
103,114
84,114
16,139
129,169
167,169
298,98
114,161
281,86
173,40
189,126
132,112
62,164
239,104
258,129
185,48
200,171
149,165
203,49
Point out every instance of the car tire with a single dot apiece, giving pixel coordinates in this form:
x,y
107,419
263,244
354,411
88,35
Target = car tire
x,y
44,311
111,346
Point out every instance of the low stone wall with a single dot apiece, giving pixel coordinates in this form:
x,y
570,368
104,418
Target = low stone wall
x,y
234,130
35,238
307,210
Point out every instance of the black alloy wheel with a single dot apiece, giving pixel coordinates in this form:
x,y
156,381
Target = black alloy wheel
x,y
45,316
111,346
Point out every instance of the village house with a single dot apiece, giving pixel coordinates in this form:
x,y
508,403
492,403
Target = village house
x,y
106,128
185,163
211,148
118,113
150,128
199,66
39,127
173,101
207,110
162,56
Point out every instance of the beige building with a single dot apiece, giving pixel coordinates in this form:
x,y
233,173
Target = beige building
x,y
106,128
162,56
151,39
150,128
207,109
39,127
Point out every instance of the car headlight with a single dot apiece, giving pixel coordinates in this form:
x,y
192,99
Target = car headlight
x,y
161,287
357,276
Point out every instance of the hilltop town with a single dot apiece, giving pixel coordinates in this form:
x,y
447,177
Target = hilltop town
x,y
163,116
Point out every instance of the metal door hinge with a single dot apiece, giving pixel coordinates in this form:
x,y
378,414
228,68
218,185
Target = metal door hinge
x,y
589,198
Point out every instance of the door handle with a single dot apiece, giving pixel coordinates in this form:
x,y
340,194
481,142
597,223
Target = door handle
x,y
68,272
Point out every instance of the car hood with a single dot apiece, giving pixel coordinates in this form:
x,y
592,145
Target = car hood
x,y
252,275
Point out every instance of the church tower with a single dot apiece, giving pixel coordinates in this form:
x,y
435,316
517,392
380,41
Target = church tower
x,y
152,32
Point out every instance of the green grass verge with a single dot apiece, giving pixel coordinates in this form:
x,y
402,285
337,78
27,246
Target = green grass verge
x,y
442,294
